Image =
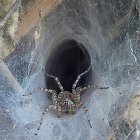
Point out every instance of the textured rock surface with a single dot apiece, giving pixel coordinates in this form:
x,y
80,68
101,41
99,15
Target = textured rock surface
x,y
109,30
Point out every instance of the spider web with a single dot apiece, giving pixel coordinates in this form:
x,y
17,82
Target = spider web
x,y
110,31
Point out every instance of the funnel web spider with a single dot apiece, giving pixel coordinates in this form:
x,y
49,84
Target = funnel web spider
x,y
66,102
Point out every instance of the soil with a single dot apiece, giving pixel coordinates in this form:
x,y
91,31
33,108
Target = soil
x,y
34,15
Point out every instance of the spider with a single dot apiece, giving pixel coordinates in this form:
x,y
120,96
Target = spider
x,y
66,102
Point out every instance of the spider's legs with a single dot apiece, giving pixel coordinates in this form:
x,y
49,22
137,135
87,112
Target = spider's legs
x,y
57,80
43,115
92,86
78,78
86,112
43,90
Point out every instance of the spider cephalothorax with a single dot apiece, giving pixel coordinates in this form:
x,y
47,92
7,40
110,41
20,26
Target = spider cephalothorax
x,y
67,102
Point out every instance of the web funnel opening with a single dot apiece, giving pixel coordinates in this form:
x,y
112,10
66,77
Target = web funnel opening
x,y
67,61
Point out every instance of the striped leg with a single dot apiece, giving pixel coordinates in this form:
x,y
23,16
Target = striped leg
x,y
43,115
78,78
42,90
86,112
92,86
57,80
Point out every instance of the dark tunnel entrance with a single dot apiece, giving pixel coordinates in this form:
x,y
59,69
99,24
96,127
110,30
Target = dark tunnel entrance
x,y
66,61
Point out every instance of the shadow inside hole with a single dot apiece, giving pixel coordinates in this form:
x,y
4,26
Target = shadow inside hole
x,y
67,61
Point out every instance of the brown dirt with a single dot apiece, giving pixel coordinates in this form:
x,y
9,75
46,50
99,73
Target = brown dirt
x,y
34,15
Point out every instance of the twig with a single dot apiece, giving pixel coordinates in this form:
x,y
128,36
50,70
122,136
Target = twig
x,y
4,70
9,13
